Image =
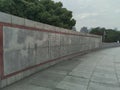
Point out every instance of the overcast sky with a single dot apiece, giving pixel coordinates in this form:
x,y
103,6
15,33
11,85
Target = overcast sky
x,y
93,13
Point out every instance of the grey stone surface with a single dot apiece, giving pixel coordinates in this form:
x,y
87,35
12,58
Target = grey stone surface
x,y
100,66
73,83
99,86
26,48
30,23
5,17
17,20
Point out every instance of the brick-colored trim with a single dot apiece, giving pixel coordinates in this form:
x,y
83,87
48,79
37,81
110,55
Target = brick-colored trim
x,y
15,73
44,30
1,52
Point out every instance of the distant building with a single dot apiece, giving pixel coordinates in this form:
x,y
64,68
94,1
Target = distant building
x,y
84,30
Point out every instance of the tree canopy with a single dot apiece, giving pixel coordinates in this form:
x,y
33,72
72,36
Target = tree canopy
x,y
45,11
109,35
84,30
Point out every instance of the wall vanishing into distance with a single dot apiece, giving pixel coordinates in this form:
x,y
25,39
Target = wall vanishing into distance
x,y
27,46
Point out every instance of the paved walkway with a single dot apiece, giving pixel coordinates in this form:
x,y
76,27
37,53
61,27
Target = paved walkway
x,y
98,70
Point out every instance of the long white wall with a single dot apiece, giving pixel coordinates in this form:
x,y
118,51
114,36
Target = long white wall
x,y
30,46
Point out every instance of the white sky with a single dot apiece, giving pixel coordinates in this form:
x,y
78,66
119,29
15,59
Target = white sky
x,y
93,13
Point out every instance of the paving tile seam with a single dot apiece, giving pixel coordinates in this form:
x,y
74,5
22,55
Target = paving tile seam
x,y
78,76
105,84
36,85
65,76
92,75
68,74
48,86
116,72
41,86
105,54
108,83
73,68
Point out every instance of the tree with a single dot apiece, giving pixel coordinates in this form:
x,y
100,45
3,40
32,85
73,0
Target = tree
x,y
109,35
84,30
45,11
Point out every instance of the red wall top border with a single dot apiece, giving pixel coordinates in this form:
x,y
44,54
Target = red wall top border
x,y
43,30
1,52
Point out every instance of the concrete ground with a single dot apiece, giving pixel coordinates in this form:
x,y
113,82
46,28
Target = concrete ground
x,y
99,70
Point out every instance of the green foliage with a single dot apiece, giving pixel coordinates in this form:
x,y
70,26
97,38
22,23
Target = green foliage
x,y
109,35
46,11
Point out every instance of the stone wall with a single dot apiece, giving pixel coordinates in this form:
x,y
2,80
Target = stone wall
x,y
27,46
